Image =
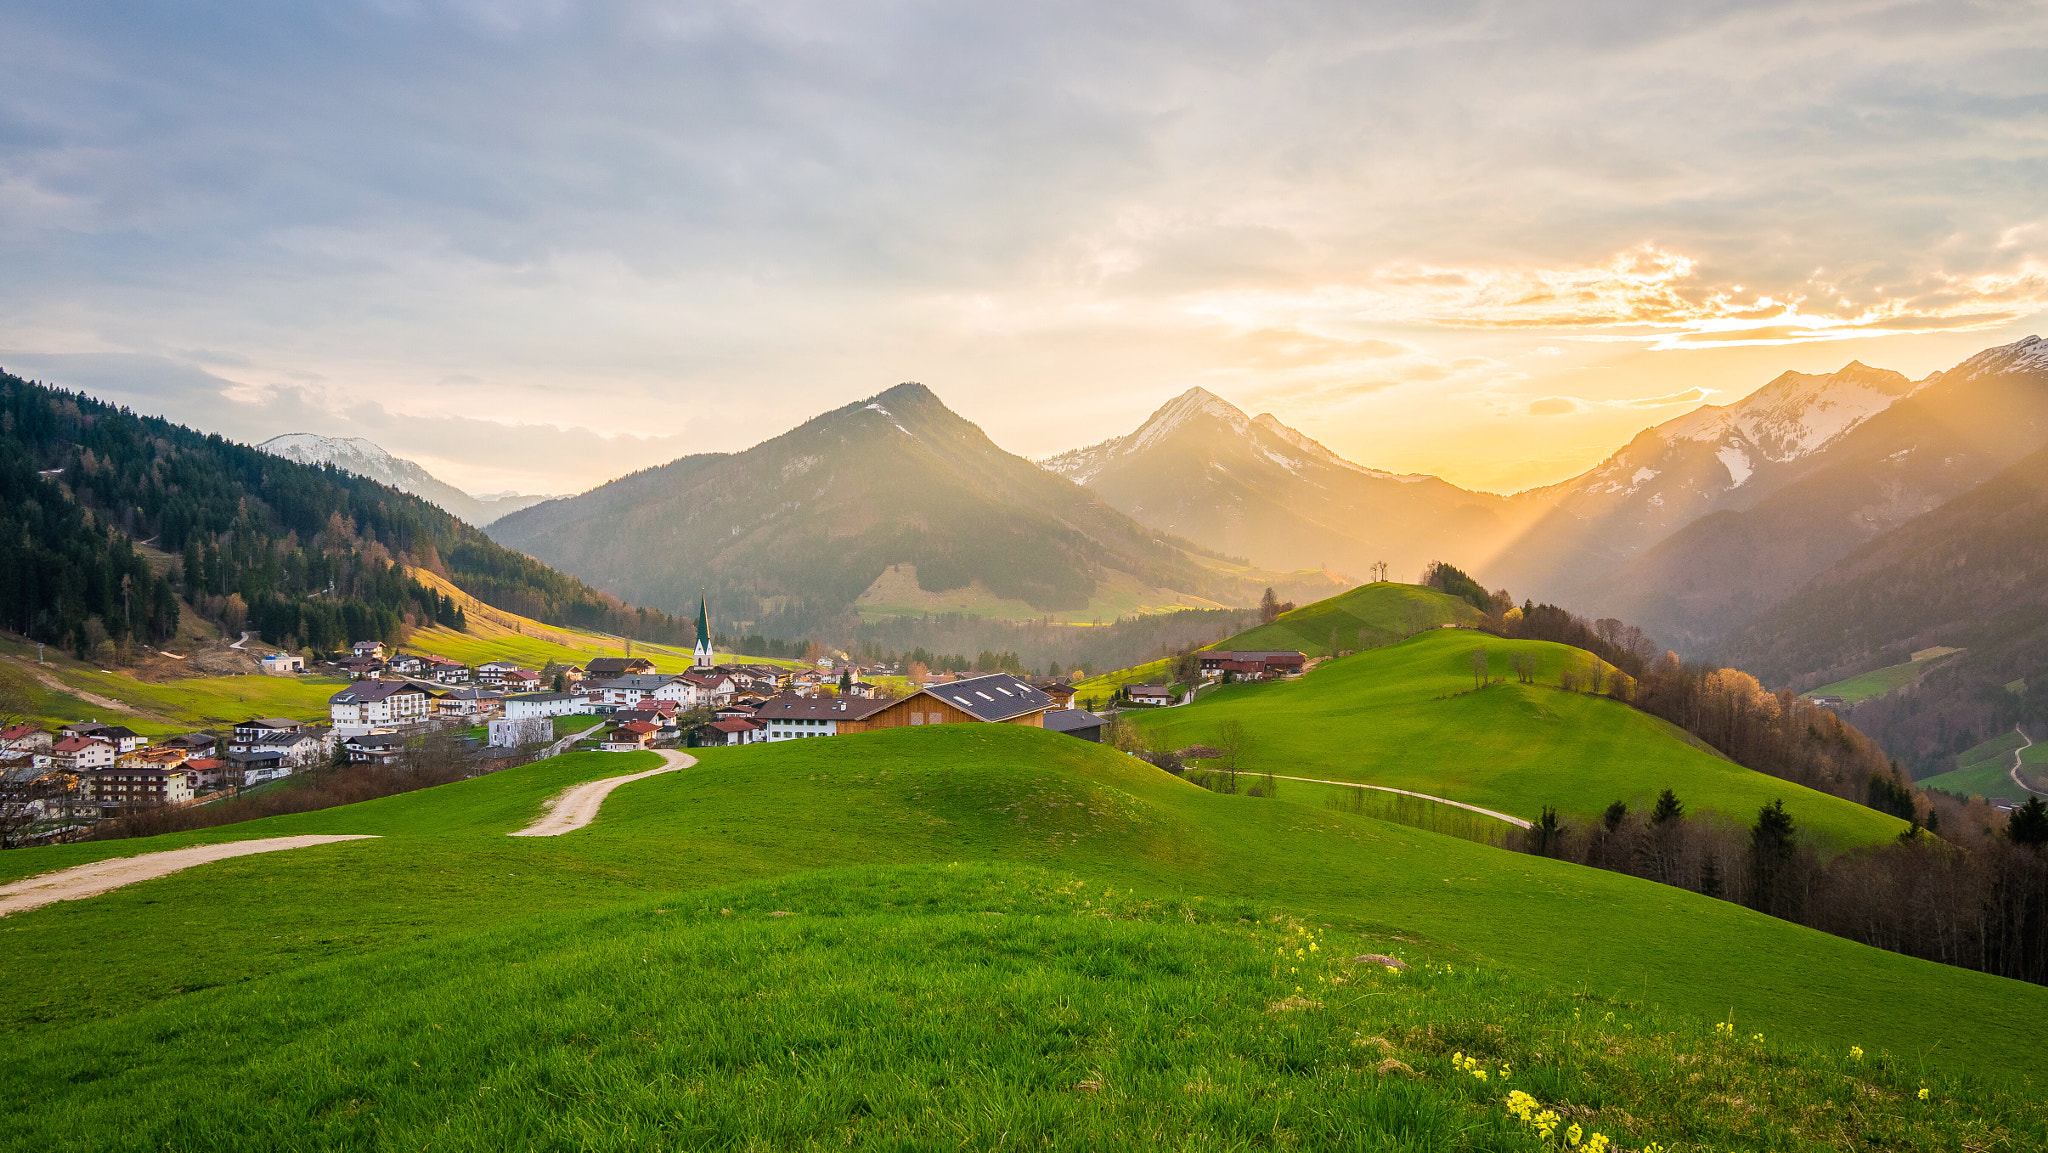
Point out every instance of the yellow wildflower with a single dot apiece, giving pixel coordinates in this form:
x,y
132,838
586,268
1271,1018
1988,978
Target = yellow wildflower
x,y
1855,1052
1573,1134
1923,1094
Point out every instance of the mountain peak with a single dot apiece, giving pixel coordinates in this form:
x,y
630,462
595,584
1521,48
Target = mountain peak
x,y
2029,354
1190,405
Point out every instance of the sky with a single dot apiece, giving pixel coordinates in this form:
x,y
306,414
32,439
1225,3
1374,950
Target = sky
x,y
537,244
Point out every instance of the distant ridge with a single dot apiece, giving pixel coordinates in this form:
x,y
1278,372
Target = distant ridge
x,y
366,458
1199,467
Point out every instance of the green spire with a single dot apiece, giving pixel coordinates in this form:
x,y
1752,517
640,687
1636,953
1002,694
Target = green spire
x,y
703,622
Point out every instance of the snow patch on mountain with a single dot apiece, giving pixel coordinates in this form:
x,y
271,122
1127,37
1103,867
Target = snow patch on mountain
x,y
2027,355
1737,463
366,458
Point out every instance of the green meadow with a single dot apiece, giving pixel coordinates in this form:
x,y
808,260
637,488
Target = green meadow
x,y
989,930
1408,715
1365,617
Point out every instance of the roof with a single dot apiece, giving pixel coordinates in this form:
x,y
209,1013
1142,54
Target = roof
x,y
74,744
1060,687
16,732
1268,655
996,697
192,741
470,693
614,666
820,708
638,727
541,698
268,723
645,682
734,725
205,763
378,740
1070,720
440,660
369,692
1150,690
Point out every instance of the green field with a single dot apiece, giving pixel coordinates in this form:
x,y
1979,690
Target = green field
x,y
1407,715
1365,617
1985,770
995,935
1878,682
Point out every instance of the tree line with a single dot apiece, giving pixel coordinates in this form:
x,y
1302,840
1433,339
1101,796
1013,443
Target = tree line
x,y
1978,901
297,551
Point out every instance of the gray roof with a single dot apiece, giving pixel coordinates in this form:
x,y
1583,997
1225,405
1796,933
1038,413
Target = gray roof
x,y
378,740
1071,720
820,708
996,697
646,683
365,692
468,693
1251,654
538,698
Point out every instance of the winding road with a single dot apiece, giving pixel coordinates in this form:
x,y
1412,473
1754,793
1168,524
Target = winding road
x,y
2014,772
1515,821
576,807
91,880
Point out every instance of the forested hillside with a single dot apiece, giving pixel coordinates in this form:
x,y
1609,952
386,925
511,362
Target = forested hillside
x,y
306,555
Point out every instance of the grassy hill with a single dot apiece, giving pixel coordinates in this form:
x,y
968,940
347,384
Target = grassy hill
x,y
1365,617
1407,715
990,930
1891,678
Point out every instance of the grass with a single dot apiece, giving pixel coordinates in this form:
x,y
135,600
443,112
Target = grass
x,y
1099,688
1365,617
1992,781
1406,715
591,990
1878,682
158,708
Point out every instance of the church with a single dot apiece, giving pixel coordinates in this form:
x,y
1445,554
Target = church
x,y
703,661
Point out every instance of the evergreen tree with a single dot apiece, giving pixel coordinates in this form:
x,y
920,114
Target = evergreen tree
x,y
1668,808
2028,824
1772,841
1616,813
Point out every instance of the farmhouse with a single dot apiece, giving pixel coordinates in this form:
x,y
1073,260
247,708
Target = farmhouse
x,y
628,691
510,734
381,748
82,754
360,668
997,698
1251,662
24,738
468,701
371,649
1149,694
406,665
612,668
1075,723
445,671
629,737
791,717
731,731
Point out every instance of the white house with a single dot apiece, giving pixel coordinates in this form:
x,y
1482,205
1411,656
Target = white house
x,y
82,754
519,708
492,672
510,734
283,664
372,649
627,692
711,689
367,704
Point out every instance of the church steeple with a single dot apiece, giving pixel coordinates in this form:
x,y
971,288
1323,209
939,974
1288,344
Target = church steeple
x,y
704,659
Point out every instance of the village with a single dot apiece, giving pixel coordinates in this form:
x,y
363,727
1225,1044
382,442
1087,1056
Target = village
x,y
56,784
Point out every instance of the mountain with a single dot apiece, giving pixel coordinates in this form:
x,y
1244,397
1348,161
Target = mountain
x,y
365,458
1251,486
303,554
894,502
1953,431
1972,574
1715,458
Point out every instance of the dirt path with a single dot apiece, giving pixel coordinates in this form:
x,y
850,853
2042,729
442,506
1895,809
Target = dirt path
x,y
91,880
49,681
1515,821
577,807
245,640
2014,772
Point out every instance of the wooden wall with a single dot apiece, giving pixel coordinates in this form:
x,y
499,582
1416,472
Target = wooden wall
x,y
897,716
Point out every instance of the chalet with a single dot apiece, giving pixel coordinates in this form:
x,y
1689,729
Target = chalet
x,y
1149,694
737,709
468,701
612,668
123,739
711,689
193,744
519,708
364,706
406,665
151,757
629,737
789,717
24,738
1061,692
379,748
494,672
520,681
372,649
730,731
445,671
1075,723
628,691
82,754
1255,663
206,772
264,730
283,664
360,668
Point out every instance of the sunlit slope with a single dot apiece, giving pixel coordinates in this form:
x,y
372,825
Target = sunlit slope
x,y
1407,715
990,794
1365,617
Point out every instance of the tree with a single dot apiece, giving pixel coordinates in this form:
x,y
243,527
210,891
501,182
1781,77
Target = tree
x,y
1616,813
1269,607
2028,824
1236,745
1547,834
1772,841
1668,808
845,681
1479,667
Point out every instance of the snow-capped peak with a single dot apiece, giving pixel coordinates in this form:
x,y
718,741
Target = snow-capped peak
x,y
2028,355
350,454
1195,402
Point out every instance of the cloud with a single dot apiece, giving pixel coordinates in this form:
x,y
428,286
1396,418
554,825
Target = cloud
x,y
1689,396
1556,406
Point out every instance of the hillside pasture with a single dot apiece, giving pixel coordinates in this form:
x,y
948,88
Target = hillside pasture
x,y
1409,716
1366,617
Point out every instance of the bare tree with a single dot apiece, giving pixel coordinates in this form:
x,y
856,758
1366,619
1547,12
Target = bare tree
x,y
1236,746
1479,669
